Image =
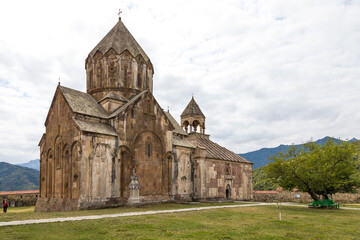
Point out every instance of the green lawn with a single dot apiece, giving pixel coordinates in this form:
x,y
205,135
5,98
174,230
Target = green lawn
x,y
24,213
257,222
352,205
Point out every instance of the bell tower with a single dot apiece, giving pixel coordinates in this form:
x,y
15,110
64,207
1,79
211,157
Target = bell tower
x,y
192,118
118,64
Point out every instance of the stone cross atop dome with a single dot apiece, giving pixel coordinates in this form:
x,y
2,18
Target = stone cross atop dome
x,y
118,63
192,116
120,12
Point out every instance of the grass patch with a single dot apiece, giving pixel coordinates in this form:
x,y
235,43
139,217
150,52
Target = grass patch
x,y
257,222
352,205
25,213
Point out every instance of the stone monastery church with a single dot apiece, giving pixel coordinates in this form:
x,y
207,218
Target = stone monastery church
x,y
114,145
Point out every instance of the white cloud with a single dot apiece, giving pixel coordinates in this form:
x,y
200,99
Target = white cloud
x,y
263,72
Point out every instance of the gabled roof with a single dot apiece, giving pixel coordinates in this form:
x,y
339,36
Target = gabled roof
x,y
123,107
192,109
119,39
121,110
115,96
215,151
176,125
95,127
182,143
83,103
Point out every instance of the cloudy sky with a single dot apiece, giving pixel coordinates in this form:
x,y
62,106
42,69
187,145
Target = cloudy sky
x,y
263,72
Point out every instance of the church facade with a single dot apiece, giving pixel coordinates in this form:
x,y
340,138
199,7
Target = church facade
x,y
114,145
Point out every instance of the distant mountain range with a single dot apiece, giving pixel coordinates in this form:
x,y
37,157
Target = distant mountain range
x,y
260,157
34,164
17,178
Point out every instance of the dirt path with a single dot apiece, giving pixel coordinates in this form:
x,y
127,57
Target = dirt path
x,y
127,214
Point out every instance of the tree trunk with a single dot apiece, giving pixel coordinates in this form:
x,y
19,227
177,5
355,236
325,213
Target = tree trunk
x,y
313,195
325,196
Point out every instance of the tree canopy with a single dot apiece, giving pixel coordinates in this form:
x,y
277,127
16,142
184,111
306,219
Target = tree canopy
x,y
320,170
260,181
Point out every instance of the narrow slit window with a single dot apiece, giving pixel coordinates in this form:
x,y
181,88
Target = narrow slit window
x,y
91,79
138,81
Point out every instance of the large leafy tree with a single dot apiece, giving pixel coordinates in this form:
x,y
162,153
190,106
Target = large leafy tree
x,y
320,170
260,181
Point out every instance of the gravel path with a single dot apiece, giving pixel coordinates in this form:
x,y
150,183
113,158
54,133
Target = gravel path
x,y
127,214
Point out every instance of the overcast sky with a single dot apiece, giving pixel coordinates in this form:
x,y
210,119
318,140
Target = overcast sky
x,y
264,73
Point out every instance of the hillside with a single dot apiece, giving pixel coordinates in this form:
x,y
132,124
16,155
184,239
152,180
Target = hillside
x,y
260,157
16,178
34,164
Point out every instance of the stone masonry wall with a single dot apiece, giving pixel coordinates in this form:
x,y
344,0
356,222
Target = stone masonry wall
x,y
20,198
216,180
301,197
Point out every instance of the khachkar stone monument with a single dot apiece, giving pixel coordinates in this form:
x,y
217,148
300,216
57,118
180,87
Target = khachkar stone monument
x,y
134,188
94,140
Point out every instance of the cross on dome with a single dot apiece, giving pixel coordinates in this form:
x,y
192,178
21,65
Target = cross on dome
x,y
119,14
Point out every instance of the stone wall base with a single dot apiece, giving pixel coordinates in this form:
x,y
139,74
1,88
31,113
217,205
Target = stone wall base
x,y
60,205
56,205
302,197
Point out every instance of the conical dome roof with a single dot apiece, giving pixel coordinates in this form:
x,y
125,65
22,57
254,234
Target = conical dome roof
x,y
120,39
192,109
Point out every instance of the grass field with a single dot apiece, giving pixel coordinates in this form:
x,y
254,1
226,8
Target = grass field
x,y
24,213
257,222
352,205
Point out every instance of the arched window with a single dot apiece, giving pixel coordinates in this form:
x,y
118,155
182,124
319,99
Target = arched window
x,y
57,157
149,150
195,124
125,76
139,81
186,125
91,79
148,147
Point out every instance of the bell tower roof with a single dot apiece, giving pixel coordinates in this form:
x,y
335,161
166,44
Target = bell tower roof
x,y
119,39
192,109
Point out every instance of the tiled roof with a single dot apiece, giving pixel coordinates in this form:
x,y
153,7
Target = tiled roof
x,y
113,95
176,125
20,192
192,109
123,107
83,103
95,127
120,39
215,151
182,143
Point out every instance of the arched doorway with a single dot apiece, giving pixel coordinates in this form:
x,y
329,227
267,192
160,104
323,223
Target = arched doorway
x,y
148,157
228,191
